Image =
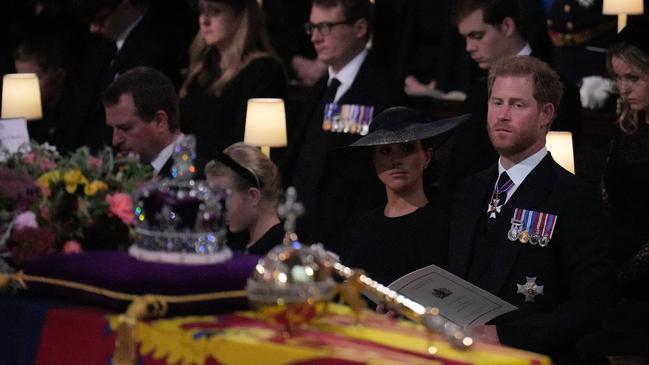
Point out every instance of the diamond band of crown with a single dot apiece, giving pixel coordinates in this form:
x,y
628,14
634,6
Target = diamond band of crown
x,y
180,216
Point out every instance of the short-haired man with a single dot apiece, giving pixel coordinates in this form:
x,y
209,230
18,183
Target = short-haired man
x,y
492,30
525,229
142,108
338,109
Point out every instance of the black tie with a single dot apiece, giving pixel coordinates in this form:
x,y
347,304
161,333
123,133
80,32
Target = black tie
x,y
330,94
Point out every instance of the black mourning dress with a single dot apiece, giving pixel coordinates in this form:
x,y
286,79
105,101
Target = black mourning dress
x,y
388,248
273,237
625,192
218,122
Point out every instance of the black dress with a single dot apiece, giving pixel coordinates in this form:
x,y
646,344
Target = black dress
x,y
625,192
273,237
268,241
388,248
218,122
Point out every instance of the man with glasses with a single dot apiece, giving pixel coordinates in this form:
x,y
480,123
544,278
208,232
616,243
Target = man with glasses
x,y
336,113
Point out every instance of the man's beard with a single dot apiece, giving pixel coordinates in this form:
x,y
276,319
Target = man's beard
x,y
522,140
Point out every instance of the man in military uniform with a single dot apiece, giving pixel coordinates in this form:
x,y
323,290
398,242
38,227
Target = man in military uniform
x,y
580,34
525,229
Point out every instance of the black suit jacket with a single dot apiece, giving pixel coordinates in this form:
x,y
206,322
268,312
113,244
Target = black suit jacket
x,y
464,161
328,185
573,267
165,170
151,43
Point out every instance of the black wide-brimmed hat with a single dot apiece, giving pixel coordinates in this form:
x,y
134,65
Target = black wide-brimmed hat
x,y
403,124
636,34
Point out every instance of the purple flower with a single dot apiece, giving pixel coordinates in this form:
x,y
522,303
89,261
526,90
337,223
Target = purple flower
x,y
25,220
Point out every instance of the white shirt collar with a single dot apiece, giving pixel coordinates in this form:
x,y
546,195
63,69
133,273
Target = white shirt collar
x,y
525,51
164,155
347,74
119,43
519,172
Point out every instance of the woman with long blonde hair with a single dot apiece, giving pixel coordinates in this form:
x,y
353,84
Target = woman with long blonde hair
x,y
231,61
626,175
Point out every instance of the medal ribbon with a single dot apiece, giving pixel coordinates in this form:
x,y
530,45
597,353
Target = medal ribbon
x,y
529,220
537,222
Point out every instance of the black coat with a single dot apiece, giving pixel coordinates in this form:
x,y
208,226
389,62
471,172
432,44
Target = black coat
x,y
218,122
574,268
151,43
465,161
332,187
411,242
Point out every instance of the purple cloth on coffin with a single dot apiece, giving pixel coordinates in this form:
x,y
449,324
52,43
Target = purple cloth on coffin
x,y
117,271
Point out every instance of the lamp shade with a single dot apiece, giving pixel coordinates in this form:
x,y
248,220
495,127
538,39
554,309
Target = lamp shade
x,y
630,7
560,145
265,123
21,97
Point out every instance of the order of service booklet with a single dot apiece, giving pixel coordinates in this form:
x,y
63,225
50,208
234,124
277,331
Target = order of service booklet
x,y
457,300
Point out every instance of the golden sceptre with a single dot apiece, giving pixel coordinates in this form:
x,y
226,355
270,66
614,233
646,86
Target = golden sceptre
x,y
429,317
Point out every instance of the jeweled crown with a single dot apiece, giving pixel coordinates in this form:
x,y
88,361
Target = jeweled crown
x,y
180,215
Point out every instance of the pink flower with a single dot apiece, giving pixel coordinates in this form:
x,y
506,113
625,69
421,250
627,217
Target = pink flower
x,y
94,163
72,246
121,206
29,158
25,220
47,164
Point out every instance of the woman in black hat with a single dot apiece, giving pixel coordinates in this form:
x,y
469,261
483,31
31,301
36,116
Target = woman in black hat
x,y
408,232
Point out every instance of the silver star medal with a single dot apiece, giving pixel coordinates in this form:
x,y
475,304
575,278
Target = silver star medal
x,y
530,289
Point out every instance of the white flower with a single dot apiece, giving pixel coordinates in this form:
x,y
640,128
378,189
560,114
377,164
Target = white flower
x,y
48,147
25,220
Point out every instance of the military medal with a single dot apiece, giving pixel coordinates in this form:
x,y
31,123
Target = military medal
x,y
530,289
494,204
531,226
353,117
345,115
528,218
347,118
515,228
366,120
548,229
535,238
331,115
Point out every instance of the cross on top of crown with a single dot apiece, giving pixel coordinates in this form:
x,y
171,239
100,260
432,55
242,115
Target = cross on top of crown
x,y
290,210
